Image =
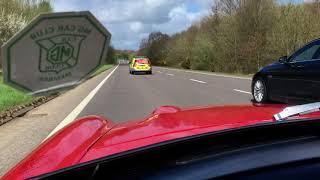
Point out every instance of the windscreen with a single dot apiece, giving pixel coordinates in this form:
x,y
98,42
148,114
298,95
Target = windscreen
x,y
155,69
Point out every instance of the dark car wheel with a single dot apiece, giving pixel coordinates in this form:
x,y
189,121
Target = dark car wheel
x,y
259,90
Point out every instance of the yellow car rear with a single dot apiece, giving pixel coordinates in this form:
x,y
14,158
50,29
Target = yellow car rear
x,y
140,65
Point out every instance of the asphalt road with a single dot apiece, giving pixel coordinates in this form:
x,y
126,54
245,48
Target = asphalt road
x,y
125,97
119,96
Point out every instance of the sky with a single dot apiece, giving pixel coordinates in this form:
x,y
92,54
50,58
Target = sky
x,y
129,21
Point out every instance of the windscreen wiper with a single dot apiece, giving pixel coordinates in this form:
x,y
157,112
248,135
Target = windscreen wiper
x,y
297,110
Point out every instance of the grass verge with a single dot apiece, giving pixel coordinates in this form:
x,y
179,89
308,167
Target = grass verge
x,y
10,97
101,69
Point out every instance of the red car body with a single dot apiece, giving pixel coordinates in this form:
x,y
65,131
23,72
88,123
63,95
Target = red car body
x,y
94,137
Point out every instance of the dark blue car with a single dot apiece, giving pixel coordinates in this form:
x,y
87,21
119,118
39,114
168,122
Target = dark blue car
x,y
295,78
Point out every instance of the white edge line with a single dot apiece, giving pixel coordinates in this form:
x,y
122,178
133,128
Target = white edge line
x,y
238,90
197,81
76,111
170,74
210,74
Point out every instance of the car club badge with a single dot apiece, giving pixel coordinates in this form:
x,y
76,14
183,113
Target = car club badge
x,y
55,51
59,53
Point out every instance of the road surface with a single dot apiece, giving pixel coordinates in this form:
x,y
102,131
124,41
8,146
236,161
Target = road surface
x,y
119,96
124,97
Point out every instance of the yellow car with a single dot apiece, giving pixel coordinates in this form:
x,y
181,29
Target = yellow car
x,y
140,64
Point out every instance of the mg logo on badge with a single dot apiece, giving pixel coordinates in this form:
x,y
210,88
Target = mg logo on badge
x,y
59,53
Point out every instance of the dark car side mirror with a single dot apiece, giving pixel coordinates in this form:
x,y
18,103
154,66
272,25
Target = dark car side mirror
x,y
283,59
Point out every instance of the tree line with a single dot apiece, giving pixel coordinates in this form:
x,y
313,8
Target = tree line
x,y
15,14
114,55
238,36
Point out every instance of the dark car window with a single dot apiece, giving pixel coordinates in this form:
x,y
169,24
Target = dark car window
x,y
309,52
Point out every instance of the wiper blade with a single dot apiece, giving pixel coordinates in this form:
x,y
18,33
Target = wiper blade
x,y
297,110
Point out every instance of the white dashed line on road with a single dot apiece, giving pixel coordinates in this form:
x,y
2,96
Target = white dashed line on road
x,y
209,73
198,81
170,74
245,92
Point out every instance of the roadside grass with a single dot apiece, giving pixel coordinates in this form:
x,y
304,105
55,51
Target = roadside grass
x,y
10,97
101,69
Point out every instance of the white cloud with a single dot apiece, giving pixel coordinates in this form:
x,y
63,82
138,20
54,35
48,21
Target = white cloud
x,y
131,20
136,26
180,18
